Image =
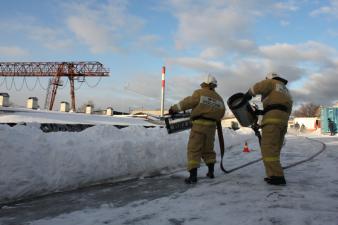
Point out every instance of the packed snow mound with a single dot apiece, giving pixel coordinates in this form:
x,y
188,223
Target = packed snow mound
x,y
20,115
36,163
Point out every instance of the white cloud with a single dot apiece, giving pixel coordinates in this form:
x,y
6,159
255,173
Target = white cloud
x,y
235,77
283,52
12,51
331,9
212,52
244,73
214,36
284,23
150,43
219,31
198,64
308,51
145,90
148,39
333,32
97,38
289,6
222,30
225,24
315,63
148,86
320,88
293,62
322,10
181,86
50,37
102,26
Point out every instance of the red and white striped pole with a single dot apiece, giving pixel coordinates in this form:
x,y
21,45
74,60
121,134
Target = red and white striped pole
x,y
163,90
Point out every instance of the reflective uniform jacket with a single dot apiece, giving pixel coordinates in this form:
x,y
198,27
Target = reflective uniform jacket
x,y
274,92
205,103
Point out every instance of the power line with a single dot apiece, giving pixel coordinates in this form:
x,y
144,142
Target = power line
x,y
95,85
35,84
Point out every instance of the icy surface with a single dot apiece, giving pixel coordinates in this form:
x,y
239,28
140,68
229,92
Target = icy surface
x,y
240,198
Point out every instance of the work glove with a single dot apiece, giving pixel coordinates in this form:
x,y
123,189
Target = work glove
x,y
247,96
172,111
255,126
257,111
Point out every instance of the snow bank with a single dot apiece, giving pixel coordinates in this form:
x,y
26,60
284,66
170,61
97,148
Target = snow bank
x,y
15,115
36,163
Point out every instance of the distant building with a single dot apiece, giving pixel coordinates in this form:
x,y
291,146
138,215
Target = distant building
x,y
310,123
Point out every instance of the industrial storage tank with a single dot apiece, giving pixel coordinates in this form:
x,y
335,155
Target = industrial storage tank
x,y
64,107
4,99
109,111
32,103
89,109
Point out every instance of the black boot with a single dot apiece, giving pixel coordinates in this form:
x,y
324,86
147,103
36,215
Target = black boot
x,y
275,180
192,179
210,173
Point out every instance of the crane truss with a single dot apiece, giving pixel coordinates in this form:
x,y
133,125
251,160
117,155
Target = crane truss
x,y
72,70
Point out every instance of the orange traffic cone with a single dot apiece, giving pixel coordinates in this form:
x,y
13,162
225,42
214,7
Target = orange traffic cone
x,y
246,148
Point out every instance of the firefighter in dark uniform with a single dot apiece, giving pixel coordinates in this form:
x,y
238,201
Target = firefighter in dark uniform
x,y
207,108
331,127
277,103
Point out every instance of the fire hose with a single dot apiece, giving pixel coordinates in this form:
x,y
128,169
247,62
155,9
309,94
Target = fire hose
x,y
222,148
257,133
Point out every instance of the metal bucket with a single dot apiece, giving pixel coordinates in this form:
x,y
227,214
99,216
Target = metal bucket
x,y
242,110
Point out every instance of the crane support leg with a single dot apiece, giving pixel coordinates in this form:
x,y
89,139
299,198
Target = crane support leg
x,y
72,92
56,81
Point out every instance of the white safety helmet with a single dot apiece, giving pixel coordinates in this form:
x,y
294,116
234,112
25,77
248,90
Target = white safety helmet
x,y
209,79
272,75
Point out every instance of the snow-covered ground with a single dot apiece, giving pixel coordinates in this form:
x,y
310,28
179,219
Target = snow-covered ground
x,y
34,163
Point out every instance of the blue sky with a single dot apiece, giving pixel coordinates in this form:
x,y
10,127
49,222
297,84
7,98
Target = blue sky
x,y
237,41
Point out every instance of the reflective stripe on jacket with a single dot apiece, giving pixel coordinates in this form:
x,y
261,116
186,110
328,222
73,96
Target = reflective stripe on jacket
x,y
204,122
273,92
204,102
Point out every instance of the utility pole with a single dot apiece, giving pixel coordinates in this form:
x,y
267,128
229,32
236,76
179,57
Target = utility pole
x,y
163,91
